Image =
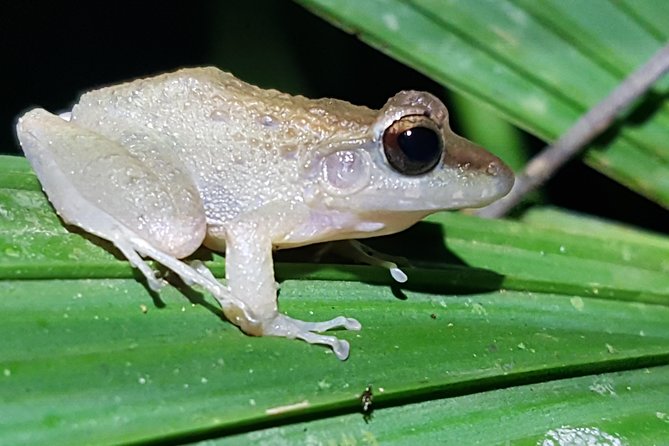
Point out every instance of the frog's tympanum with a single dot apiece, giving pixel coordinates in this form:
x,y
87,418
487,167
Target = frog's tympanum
x,y
163,165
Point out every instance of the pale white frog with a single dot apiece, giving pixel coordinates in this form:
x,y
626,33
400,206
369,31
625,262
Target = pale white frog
x,y
163,165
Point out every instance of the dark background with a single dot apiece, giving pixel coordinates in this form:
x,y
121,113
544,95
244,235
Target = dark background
x,y
54,52
51,52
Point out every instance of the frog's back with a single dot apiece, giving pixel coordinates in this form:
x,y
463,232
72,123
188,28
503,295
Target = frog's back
x,y
199,102
241,143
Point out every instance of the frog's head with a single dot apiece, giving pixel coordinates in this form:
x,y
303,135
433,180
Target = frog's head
x,y
410,161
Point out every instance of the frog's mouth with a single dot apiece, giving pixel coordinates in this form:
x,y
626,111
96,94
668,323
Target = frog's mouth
x,y
330,225
476,186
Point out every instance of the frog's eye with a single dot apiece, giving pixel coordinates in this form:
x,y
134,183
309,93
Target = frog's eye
x,y
413,144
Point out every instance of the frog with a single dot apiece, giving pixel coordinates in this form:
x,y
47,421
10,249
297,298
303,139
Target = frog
x,y
163,165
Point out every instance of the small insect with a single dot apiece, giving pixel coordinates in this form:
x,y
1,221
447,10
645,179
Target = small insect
x,y
366,399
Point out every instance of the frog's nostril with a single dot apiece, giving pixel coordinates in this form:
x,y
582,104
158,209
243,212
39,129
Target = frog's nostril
x,y
497,168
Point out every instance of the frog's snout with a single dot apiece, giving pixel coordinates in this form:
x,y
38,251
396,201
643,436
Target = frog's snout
x,y
468,157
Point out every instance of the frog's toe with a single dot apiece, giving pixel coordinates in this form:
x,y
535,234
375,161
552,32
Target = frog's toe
x,y
349,323
152,279
338,322
288,327
339,347
399,275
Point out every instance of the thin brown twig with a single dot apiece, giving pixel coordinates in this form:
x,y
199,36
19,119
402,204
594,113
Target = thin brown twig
x,y
589,126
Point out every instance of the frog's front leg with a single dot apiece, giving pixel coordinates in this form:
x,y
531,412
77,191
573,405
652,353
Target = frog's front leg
x,y
250,275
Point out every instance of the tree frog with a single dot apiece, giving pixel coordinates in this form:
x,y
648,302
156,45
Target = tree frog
x,y
162,165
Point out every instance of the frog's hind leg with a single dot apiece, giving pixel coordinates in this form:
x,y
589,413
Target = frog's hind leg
x,y
145,207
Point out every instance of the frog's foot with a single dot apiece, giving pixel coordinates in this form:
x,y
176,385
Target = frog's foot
x,y
361,253
285,326
195,273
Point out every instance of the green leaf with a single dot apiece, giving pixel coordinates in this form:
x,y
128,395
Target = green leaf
x,y
496,319
540,65
601,407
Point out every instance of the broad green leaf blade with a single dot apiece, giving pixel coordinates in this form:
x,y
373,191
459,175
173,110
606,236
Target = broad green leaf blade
x,y
539,64
90,356
82,361
609,409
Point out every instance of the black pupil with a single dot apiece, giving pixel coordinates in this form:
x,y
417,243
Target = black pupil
x,y
420,145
